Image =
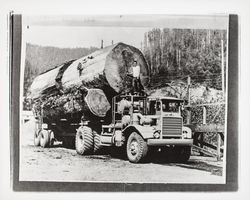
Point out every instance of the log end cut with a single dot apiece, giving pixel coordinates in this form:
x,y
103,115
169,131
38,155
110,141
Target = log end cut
x,y
118,67
97,102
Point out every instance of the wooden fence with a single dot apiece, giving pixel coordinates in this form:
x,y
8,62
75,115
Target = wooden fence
x,y
215,149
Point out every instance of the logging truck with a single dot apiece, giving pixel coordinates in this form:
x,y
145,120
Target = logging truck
x,y
87,103
138,123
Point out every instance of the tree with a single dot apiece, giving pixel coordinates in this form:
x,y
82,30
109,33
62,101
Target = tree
x,y
175,53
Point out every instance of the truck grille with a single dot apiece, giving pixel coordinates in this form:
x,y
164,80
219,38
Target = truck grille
x,y
171,126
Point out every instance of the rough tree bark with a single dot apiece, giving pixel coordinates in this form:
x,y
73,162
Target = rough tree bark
x,y
88,84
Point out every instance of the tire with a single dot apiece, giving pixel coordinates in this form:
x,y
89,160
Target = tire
x,y
97,142
51,138
44,138
84,140
37,137
183,153
137,148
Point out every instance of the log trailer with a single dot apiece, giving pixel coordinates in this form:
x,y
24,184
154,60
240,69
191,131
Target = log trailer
x,y
139,122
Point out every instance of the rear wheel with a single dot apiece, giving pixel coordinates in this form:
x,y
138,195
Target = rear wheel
x,y
84,140
37,137
45,138
183,153
97,141
137,148
51,138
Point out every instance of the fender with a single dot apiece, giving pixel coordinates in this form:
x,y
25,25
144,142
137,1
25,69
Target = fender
x,y
145,131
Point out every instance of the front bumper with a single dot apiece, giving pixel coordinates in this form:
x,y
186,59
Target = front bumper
x,y
164,142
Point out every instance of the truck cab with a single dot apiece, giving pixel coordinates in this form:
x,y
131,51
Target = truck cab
x,y
170,121
139,122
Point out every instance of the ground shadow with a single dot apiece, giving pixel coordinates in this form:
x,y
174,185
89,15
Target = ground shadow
x,y
170,160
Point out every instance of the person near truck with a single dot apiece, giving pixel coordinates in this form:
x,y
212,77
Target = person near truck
x,y
137,87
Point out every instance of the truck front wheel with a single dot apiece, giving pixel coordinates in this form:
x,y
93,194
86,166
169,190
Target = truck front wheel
x,y
137,148
84,140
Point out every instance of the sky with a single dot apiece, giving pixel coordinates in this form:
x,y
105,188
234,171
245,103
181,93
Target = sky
x,y
76,36
86,31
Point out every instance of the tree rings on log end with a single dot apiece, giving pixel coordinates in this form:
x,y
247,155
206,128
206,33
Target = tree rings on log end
x,y
118,67
97,102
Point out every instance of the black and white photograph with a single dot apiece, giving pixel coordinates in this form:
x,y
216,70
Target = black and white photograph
x,y
124,99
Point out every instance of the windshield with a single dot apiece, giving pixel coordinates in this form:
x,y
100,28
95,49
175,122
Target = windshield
x,y
170,106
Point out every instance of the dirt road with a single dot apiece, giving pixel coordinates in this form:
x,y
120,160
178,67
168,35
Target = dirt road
x,y
61,164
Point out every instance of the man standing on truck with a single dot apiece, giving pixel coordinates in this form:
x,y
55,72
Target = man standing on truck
x,y
137,86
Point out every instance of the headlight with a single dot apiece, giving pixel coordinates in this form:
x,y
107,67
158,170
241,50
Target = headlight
x,y
186,132
156,134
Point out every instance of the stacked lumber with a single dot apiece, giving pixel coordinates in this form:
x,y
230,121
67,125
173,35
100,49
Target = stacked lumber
x,y
87,85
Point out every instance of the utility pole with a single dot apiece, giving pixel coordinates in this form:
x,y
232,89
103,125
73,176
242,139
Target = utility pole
x,y
222,67
189,105
189,84
101,44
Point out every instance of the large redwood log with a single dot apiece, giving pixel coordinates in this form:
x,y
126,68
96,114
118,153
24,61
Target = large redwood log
x,y
105,73
105,67
48,82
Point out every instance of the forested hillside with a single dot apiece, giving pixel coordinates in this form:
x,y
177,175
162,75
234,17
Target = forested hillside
x,y
175,53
